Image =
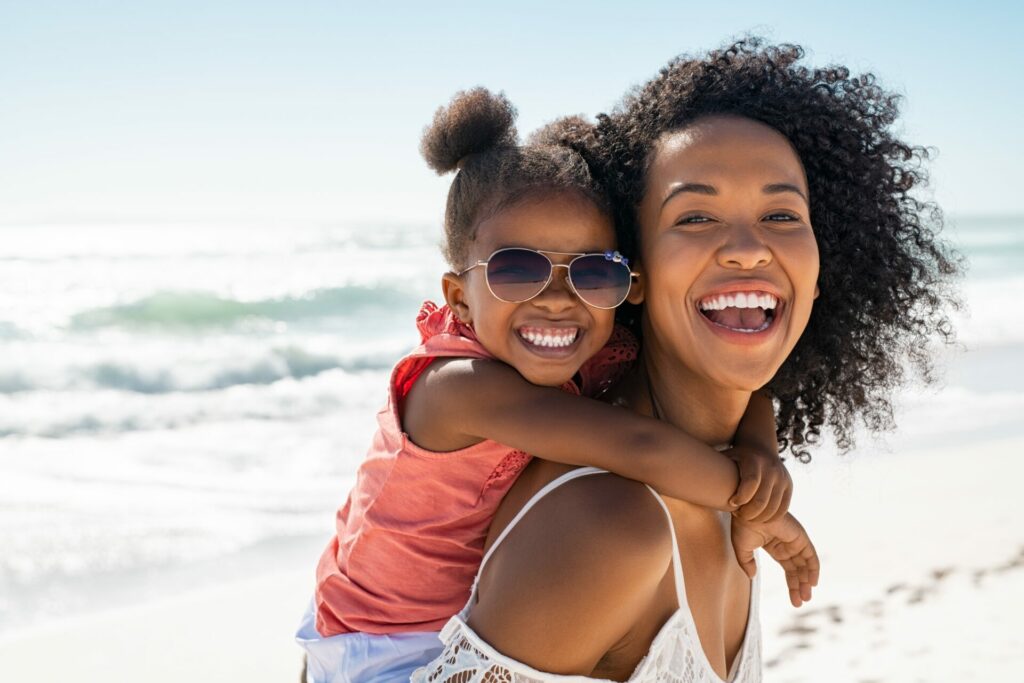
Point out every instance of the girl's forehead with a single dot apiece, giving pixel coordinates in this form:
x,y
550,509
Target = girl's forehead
x,y
557,223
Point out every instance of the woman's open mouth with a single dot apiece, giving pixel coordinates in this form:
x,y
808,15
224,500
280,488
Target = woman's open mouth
x,y
743,312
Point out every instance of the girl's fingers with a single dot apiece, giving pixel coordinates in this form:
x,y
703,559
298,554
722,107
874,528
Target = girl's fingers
x,y
749,568
747,563
750,481
787,498
814,568
792,581
771,510
752,510
799,592
801,571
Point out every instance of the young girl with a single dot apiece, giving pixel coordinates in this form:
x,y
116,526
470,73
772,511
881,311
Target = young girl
x,y
528,327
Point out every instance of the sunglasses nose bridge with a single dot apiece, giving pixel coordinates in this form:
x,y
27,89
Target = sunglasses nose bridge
x,y
564,282
558,290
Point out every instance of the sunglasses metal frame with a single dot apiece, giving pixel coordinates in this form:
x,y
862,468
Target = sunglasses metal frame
x,y
613,256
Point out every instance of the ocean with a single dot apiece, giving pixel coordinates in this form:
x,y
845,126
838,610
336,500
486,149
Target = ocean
x,y
187,404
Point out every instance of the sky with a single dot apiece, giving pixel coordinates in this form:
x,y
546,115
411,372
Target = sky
x,y
222,112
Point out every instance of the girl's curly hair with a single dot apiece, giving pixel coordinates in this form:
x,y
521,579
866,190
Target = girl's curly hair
x,y
885,276
475,136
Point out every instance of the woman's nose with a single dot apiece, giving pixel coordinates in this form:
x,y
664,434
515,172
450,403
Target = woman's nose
x,y
745,249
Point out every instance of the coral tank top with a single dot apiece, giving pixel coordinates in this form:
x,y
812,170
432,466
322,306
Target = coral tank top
x,y
410,536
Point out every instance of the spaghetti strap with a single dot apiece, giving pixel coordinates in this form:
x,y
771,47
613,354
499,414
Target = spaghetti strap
x,y
675,653
677,561
548,488
677,564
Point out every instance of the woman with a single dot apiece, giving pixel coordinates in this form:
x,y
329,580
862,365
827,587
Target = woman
x,y
720,165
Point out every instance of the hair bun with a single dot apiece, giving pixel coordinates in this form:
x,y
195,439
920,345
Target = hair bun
x,y
474,121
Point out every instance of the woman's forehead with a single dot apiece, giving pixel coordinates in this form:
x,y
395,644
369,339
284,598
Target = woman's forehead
x,y
722,144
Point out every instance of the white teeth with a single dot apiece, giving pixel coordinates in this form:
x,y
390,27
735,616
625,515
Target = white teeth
x,y
550,338
739,300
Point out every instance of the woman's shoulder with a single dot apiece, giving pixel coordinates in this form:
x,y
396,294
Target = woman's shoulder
x,y
614,510
600,515
574,574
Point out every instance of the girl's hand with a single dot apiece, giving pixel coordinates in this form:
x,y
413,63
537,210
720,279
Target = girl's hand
x,y
765,489
788,543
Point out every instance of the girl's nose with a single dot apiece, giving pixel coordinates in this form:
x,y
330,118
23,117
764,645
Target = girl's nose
x,y
558,295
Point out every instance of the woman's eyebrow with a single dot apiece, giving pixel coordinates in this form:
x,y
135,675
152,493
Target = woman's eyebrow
x,y
698,188
776,188
701,188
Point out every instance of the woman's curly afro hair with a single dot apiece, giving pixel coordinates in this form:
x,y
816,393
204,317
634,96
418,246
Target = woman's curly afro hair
x,y
885,277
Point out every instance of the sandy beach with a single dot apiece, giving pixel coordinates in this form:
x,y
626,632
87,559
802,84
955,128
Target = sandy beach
x,y
923,579
923,570
235,632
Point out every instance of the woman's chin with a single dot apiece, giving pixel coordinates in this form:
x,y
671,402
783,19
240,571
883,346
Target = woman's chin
x,y
740,373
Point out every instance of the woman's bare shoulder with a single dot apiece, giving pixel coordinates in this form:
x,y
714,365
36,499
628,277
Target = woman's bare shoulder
x,y
611,510
574,575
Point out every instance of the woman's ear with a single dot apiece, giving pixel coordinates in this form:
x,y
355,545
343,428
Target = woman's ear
x,y
454,290
817,292
636,290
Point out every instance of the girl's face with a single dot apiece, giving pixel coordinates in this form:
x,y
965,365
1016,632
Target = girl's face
x,y
728,258
560,223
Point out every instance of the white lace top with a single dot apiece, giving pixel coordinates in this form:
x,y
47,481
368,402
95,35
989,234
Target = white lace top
x,y
675,655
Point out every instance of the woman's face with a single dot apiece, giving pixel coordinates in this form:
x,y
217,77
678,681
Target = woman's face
x,y
728,257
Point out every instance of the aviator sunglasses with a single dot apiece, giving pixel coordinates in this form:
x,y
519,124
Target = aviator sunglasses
x,y
517,274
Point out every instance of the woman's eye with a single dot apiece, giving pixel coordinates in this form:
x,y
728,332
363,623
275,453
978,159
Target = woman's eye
x,y
780,217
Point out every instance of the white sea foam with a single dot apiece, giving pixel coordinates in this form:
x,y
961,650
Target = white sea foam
x,y
153,364
992,314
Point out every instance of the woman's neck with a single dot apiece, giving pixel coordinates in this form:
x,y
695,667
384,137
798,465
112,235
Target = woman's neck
x,y
704,410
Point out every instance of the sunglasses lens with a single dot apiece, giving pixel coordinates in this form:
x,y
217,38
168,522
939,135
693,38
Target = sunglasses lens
x,y
516,275
600,282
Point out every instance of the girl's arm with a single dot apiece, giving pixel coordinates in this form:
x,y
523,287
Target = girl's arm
x,y
456,403
764,481
757,429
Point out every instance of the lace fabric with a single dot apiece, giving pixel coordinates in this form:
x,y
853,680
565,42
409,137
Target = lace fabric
x,y
464,660
508,469
675,654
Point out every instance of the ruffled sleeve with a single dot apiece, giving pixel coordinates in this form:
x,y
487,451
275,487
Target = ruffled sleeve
x,y
441,334
610,364
434,320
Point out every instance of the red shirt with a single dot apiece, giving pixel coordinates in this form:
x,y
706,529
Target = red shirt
x,y
410,536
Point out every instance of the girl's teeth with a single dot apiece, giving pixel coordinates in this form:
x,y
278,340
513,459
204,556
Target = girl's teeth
x,y
550,339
